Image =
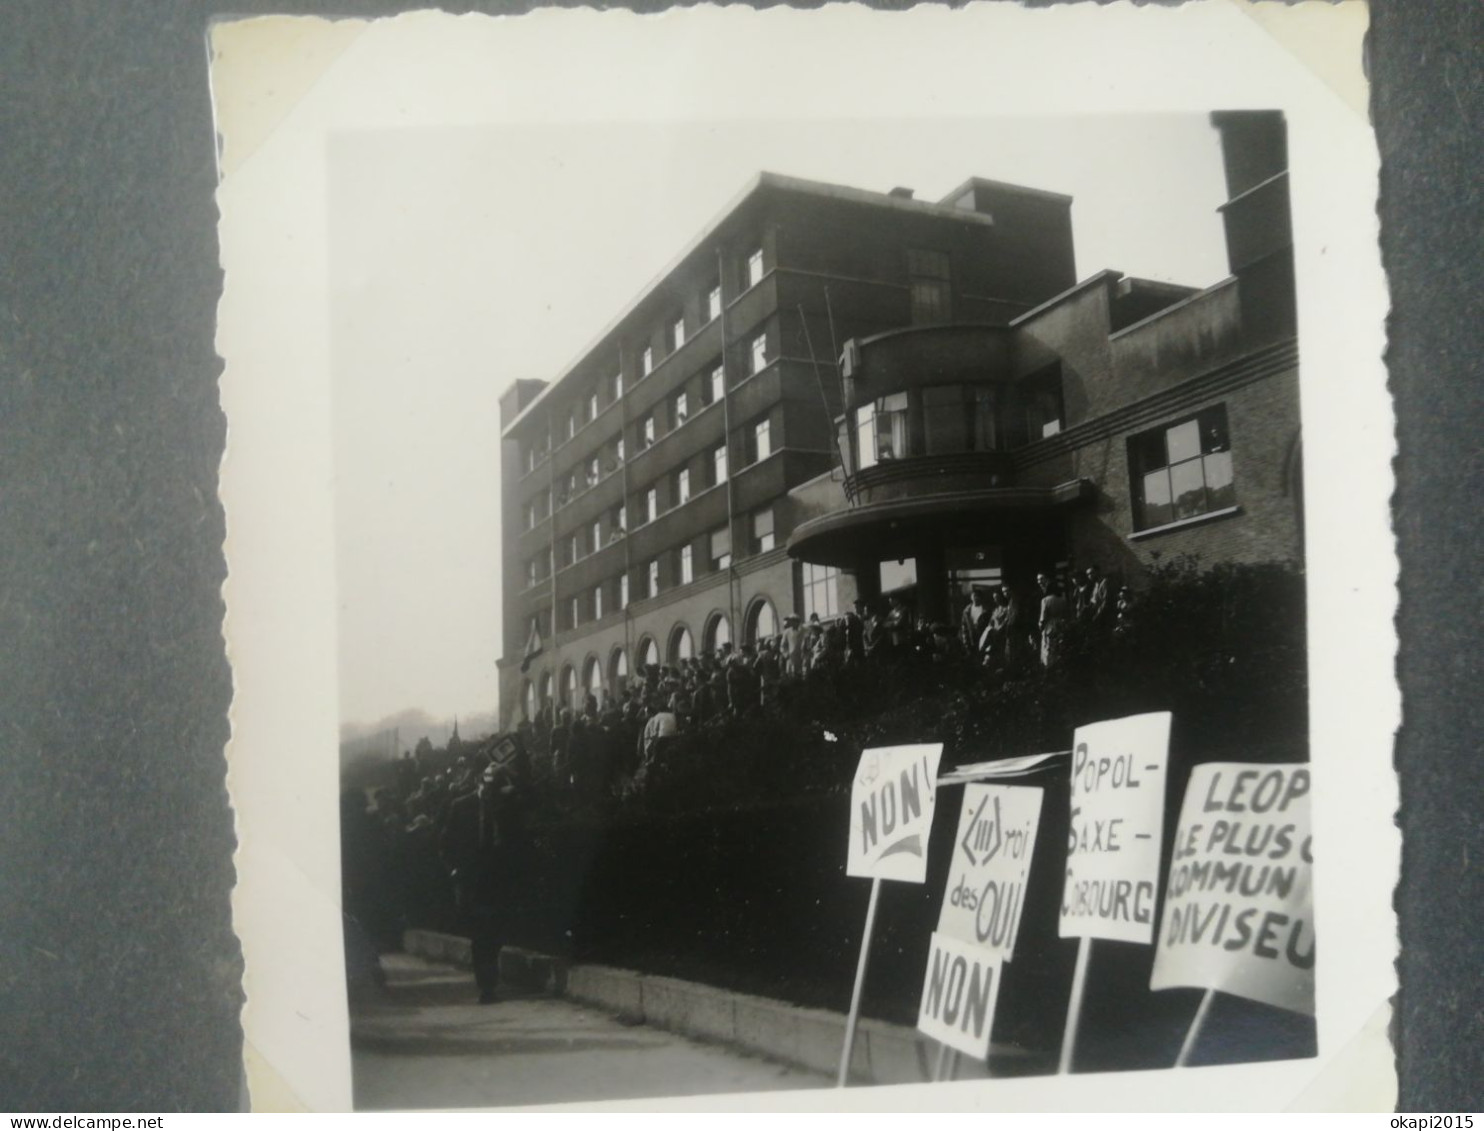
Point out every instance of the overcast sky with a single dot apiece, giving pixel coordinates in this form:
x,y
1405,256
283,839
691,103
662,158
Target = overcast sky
x,y
463,258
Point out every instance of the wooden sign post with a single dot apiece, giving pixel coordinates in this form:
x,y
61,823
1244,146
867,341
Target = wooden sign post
x,y
891,817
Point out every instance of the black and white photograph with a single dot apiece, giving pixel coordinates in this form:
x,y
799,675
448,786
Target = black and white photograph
x,y
768,566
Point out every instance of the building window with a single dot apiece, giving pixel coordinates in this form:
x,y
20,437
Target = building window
x,y
762,530
881,430
618,449
649,653
682,647
654,579
959,418
646,361
621,518
821,590
759,353
682,409
682,486
569,686
618,670
615,387
718,631
576,612
531,575
719,465
530,516
651,504
687,565
594,472
755,267
721,548
762,440
545,686
528,700
623,591
576,547
592,406
901,574
597,534
648,430
593,680
716,384
571,423
1182,471
713,303
677,333
762,621
1041,396
597,602
927,279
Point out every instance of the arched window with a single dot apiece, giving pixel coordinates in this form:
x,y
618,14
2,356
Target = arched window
x,y
545,688
528,700
762,621
618,670
682,646
649,652
569,687
718,632
592,679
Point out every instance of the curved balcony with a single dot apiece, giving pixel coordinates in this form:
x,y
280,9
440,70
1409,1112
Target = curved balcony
x,y
905,523
929,475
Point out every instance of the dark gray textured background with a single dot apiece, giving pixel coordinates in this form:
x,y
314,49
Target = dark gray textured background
x,y
119,973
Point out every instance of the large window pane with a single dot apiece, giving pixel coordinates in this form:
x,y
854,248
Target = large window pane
x,y
865,435
1220,493
1184,441
943,419
1157,509
1188,485
986,422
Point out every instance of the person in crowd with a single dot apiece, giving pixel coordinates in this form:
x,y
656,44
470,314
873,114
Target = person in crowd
x,y
742,688
973,621
479,844
769,669
900,626
1098,606
1052,619
792,647
1124,611
661,728
855,640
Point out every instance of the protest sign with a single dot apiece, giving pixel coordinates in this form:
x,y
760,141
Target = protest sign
x,y
1118,791
891,812
959,993
1238,906
991,860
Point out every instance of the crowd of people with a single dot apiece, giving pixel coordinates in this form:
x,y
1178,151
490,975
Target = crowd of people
x,y
440,844
605,746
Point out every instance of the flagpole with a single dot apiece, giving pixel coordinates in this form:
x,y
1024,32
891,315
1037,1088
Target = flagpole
x,y
1074,1006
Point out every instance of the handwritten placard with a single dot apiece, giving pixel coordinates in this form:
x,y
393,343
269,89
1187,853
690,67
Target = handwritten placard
x,y
1238,914
991,863
1118,792
959,995
891,812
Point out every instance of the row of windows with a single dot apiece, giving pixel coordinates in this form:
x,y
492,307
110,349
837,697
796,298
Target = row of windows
x,y
586,409
591,605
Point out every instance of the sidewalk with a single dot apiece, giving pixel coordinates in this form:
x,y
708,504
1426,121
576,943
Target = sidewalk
x,y
808,1039
422,1042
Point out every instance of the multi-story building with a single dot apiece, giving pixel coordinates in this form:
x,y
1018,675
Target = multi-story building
x,y
834,392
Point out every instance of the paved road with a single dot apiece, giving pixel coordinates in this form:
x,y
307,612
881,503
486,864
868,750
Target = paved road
x,y
423,1043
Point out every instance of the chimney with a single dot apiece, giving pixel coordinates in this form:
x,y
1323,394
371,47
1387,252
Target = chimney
x,y
901,193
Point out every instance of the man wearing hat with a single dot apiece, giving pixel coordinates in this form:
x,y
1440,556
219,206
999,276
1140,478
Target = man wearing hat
x,y
793,646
